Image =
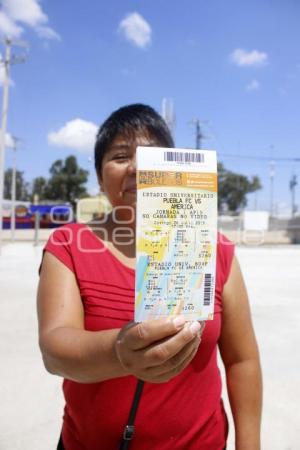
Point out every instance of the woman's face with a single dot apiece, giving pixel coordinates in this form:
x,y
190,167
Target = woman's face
x,y
118,174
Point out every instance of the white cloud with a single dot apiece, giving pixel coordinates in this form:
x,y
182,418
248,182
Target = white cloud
x,y
243,58
27,12
136,30
253,85
47,33
76,134
8,27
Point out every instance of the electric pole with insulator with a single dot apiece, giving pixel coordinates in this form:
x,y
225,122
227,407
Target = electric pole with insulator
x,y
272,176
198,133
8,60
13,187
293,184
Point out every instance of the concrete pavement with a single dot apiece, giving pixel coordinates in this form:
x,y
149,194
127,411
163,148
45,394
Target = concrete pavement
x,y
31,399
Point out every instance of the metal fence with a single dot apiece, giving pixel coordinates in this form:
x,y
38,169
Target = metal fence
x,y
279,231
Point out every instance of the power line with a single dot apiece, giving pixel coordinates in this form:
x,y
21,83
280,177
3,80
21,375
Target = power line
x,y
261,158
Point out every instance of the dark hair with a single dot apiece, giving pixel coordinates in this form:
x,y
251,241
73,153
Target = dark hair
x,y
131,119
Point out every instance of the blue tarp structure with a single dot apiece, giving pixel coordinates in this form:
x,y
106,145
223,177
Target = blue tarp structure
x,y
51,216
47,209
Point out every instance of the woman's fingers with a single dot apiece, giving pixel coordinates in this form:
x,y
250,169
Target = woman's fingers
x,y
166,376
166,350
172,348
175,364
143,334
176,371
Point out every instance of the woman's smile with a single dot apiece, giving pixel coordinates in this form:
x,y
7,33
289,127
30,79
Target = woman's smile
x,y
130,188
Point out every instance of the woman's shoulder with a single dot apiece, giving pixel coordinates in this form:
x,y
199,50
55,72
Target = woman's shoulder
x,y
76,245
73,238
61,243
68,228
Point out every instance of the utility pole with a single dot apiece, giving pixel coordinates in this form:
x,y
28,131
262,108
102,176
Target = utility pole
x,y
13,188
168,113
8,60
272,176
198,133
293,184
6,64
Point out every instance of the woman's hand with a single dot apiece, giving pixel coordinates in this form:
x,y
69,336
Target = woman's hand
x,y
158,350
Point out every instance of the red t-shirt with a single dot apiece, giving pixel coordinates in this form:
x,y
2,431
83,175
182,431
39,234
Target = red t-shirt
x,y
185,413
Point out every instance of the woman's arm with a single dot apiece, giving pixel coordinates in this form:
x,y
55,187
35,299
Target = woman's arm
x,y
239,353
152,351
68,350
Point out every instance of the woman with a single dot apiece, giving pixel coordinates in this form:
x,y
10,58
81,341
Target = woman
x,y
85,310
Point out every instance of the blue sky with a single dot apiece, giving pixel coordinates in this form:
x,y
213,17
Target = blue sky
x,y
234,65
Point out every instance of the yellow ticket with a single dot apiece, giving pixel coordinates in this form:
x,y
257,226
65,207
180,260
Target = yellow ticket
x,y
176,233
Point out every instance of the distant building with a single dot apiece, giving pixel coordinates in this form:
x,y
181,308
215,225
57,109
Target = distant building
x,y
89,208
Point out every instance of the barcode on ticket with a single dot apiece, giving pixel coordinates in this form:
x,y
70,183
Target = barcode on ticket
x,y
207,289
183,157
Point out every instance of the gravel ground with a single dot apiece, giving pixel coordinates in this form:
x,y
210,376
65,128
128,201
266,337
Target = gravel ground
x,y
31,400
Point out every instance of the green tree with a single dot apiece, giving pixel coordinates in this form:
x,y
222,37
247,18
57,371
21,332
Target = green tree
x,y
67,181
22,186
234,187
39,188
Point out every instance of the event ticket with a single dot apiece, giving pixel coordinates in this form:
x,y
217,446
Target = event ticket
x,y
176,237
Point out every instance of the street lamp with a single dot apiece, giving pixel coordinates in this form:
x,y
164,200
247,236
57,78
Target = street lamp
x,y
272,176
13,187
6,62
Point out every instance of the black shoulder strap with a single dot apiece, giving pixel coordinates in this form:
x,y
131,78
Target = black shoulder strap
x,y
129,428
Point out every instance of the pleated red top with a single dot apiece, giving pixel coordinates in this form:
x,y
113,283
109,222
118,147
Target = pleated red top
x,y
185,413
